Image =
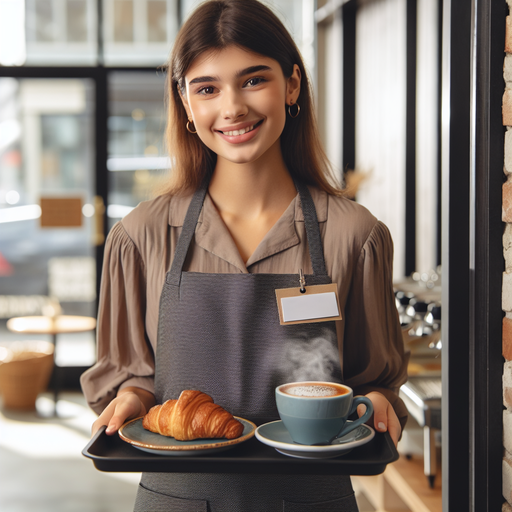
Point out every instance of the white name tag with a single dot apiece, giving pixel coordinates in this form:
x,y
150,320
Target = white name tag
x,y
308,307
318,304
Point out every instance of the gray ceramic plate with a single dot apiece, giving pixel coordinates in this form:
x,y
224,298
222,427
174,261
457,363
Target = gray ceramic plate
x,y
275,434
134,433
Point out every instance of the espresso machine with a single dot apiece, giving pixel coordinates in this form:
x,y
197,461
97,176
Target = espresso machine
x,y
419,306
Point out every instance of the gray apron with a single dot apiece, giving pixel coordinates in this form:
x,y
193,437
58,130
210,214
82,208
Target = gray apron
x,y
220,333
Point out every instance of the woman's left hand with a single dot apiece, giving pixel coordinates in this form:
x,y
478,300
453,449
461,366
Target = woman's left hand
x,y
384,417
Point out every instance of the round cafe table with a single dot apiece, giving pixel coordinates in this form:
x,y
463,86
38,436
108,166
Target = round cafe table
x,y
53,326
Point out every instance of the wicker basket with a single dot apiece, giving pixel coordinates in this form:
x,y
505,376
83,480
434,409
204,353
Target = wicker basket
x,y
25,370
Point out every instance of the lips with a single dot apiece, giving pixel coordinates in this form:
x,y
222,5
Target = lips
x,y
242,134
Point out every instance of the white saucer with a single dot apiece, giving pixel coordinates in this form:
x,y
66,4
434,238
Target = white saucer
x,y
275,434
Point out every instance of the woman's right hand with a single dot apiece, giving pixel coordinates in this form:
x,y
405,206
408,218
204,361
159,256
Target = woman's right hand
x,y
130,403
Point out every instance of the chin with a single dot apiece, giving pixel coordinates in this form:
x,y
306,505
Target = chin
x,y
240,159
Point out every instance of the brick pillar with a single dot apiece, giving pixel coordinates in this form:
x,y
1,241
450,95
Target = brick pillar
x,y
507,275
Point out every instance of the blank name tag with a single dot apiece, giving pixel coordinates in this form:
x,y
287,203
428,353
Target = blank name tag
x,y
319,304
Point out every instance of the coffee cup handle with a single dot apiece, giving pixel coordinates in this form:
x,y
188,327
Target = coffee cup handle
x,y
348,427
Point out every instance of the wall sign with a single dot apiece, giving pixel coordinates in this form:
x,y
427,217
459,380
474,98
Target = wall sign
x,y
61,212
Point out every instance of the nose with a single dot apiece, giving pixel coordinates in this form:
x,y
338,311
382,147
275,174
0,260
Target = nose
x,y
233,106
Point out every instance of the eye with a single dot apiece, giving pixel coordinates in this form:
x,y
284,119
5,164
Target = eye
x,y
206,90
252,82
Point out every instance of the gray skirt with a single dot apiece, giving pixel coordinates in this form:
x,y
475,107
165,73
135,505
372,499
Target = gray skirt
x,y
204,492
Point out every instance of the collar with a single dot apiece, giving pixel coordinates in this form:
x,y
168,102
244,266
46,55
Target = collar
x,y
213,236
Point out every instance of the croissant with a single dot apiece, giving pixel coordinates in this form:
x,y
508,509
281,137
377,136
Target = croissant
x,y
192,416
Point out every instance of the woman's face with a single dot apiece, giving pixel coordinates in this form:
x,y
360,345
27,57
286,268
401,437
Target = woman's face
x,y
237,101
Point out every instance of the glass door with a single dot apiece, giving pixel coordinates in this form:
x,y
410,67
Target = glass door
x,y
47,213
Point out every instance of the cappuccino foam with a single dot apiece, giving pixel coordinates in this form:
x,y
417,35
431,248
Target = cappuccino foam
x,y
314,390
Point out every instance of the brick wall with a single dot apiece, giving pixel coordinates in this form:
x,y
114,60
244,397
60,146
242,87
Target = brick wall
x,y
507,276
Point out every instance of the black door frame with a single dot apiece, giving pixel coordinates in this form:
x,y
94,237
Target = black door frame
x,y
99,75
473,41
486,254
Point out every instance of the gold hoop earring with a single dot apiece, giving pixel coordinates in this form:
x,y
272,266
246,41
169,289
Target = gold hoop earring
x,y
290,110
188,128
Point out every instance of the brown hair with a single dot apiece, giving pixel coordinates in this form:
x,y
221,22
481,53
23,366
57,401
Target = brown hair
x,y
217,24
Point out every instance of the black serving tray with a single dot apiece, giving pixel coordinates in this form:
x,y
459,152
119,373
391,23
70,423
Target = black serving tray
x,y
111,453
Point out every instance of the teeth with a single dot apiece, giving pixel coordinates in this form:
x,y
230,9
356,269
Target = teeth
x,y
240,132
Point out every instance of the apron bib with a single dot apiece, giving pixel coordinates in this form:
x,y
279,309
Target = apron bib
x,y
220,334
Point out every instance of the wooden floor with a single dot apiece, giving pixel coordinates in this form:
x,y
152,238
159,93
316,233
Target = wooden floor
x,y
402,487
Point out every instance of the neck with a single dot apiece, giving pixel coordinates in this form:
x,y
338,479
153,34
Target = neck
x,y
252,189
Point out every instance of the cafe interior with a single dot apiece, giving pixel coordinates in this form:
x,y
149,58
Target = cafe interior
x,y
82,91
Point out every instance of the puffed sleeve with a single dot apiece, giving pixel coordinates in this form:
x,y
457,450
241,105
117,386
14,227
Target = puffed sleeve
x,y
124,354
373,348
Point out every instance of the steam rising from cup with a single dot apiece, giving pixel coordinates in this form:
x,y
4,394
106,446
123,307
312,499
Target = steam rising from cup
x,y
310,359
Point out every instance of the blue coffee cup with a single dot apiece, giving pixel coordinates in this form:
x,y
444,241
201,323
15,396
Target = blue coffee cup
x,y
316,412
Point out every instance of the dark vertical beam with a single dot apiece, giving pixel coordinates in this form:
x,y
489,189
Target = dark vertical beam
x,y
99,35
101,143
101,138
487,265
349,85
410,138
455,254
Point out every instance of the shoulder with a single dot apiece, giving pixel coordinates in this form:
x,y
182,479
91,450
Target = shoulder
x,y
153,217
150,225
343,207
345,219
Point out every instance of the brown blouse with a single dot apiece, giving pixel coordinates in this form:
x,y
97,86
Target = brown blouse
x,y
139,250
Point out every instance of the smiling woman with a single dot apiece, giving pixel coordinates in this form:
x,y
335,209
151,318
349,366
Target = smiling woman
x,y
190,277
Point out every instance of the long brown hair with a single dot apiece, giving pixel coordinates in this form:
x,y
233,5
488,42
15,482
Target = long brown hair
x,y
217,24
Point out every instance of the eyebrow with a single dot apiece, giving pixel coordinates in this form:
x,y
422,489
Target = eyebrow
x,y
239,74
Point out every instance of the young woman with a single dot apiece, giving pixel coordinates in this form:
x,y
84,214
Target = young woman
x,y
188,289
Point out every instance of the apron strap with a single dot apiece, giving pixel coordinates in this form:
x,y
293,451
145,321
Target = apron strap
x,y
187,232
316,252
